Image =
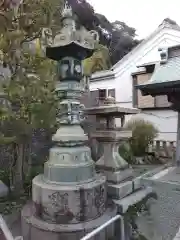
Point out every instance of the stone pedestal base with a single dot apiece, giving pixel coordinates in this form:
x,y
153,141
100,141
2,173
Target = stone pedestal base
x,y
34,228
117,177
66,211
69,203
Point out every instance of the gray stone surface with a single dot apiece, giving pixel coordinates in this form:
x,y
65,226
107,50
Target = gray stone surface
x,y
116,177
111,164
69,164
130,200
172,176
164,213
119,191
149,170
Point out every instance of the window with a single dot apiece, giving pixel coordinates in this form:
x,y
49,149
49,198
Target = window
x,y
135,92
140,101
111,92
150,68
102,94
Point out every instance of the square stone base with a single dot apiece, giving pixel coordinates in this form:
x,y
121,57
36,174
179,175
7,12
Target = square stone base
x,y
119,176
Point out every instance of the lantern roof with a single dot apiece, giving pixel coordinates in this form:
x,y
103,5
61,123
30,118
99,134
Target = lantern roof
x,y
73,40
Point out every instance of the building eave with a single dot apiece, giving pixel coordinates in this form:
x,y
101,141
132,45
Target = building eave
x,y
154,108
145,41
103,75
147,64
159,88
140,71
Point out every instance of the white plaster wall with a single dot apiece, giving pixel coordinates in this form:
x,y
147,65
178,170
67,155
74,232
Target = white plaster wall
x,y
164,120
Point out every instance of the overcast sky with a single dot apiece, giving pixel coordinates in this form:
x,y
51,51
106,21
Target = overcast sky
x,y
143,15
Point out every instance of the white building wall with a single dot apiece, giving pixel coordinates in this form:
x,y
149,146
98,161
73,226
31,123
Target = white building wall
x,y
124,78
165,120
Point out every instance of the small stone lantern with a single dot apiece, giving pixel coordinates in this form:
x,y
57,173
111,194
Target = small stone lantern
x,y
111,164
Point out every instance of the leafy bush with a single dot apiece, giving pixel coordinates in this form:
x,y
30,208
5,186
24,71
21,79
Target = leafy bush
x,y
143,133
126,153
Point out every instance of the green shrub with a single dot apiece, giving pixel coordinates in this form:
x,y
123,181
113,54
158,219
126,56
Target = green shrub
x,y
126,153
143,133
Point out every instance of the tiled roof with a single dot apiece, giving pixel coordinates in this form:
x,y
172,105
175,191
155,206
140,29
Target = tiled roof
x,y
168,72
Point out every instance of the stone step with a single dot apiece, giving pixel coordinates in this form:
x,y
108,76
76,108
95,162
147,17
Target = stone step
x,y
125,188
124,203
121,190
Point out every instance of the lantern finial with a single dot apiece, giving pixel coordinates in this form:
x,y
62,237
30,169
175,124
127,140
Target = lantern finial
x,y
67,11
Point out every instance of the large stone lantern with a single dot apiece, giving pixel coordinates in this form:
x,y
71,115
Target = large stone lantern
x,y
69,199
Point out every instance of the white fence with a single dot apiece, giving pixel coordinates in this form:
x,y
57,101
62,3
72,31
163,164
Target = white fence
x,y
7,233
105,225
